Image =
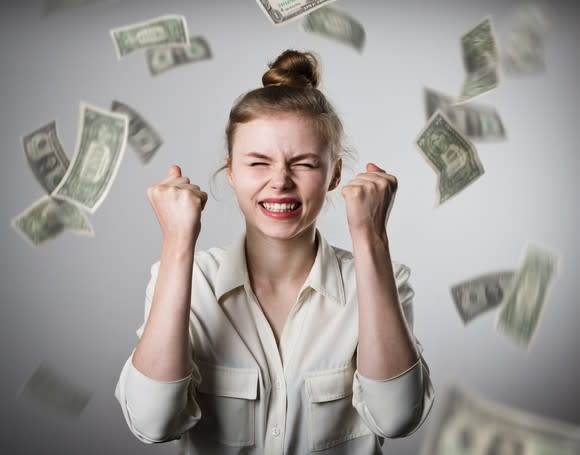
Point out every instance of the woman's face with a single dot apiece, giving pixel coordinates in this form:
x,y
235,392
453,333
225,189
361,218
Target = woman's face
x,y
280,171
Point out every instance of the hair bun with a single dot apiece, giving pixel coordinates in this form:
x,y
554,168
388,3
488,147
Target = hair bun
x,y
293,68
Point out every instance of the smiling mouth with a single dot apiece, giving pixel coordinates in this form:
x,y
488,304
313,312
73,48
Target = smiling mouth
x,y
281,208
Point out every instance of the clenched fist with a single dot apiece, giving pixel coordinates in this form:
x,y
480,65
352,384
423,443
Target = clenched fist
x,y
178,205
369,198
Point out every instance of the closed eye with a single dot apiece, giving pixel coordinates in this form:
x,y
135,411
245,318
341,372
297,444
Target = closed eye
x,y
258,164
306,165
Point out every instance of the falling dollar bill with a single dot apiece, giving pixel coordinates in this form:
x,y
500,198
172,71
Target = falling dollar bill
x,y
162,59
451,155
50,6
523,54
283,11
45,156
141,135
478,295
336,25
480,60
476,121
49,217
524,301
470,425
156,32
523,50
101,140
48,389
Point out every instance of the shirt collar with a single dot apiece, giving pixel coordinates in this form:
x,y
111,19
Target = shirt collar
x,y
325,276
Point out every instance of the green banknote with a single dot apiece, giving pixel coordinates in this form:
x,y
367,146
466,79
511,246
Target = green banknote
x,y
49,217
470,425
51,6
481,61
283,11
336,25
162,59
480,294
45,156
522,50
101,140
142,137
451,155
475,120
48,389
156,32
522,306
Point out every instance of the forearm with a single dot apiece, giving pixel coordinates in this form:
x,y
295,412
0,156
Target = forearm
x,y
164,350
386,348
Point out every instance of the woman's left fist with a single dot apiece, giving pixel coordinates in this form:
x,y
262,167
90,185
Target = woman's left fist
x,y
369,198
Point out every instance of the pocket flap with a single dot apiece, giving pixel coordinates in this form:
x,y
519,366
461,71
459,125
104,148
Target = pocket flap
x,y
228,381
329,385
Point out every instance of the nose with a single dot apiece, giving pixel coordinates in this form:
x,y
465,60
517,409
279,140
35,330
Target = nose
x,y
280,179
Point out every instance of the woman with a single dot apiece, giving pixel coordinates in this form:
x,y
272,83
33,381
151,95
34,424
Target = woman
x,y
279,343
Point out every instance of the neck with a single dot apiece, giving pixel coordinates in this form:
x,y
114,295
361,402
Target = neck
x,y
275,263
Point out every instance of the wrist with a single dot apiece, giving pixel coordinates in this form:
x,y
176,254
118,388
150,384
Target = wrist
x,y
178,248
368,238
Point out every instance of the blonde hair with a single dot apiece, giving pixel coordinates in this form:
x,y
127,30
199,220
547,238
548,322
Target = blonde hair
x,y
290,85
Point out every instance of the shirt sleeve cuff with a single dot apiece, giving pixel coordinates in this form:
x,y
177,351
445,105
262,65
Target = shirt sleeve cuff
x,y
397,406
155,406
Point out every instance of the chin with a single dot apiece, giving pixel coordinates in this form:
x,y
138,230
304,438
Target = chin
x,y
278,232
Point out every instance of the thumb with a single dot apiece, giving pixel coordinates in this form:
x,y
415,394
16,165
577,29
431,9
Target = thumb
x,y
175,170
371,167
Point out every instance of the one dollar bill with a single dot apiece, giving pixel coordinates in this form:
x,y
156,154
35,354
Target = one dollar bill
x,y
523,304
452,156
48,389
479,295
156,32
141,136
45,156
163,59
470,425
283,11
47,218
51,6
522,51
336,25
101,140
480,60
476,121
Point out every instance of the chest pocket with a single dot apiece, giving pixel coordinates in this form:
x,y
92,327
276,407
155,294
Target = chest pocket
x,y
227,398
332,419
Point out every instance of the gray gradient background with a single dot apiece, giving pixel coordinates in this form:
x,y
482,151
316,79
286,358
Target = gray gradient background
x,y
76,302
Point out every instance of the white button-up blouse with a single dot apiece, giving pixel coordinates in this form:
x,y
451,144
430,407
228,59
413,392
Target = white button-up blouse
x,y
247,395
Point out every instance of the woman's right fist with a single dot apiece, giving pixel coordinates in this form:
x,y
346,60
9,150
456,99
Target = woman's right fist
x,y
178,205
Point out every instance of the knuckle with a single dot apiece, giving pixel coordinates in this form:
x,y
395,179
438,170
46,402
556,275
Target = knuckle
x,y
153,191
383,184
356,191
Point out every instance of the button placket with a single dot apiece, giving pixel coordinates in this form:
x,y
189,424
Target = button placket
x,y
276,413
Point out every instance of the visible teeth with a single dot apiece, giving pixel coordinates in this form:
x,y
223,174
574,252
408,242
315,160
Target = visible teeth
x,y
280,207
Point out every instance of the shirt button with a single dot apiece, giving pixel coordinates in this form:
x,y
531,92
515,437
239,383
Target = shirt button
x,y
278,384
276,431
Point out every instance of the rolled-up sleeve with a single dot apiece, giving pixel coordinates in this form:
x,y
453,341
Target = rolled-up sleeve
x,y
396,407
156,411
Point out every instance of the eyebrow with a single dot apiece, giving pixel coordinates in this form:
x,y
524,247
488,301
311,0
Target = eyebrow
x,y
303,156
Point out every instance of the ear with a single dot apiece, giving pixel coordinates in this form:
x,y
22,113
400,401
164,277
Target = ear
x,y
229,171
336,175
